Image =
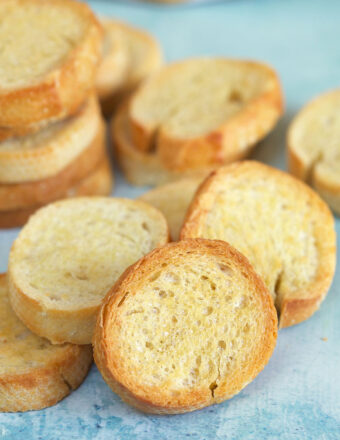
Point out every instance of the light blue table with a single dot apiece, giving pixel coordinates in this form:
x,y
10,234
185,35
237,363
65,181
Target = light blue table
x,y
297,396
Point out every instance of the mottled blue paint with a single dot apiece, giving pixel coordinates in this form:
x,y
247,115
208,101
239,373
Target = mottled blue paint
x,y
297,396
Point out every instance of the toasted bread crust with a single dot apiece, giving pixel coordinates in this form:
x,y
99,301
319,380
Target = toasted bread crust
x,y
299,305
24,195
43,386
142,168
98,183
225,144
52,152
310,166
60,92
152,399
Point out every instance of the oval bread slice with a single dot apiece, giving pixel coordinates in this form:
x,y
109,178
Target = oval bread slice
x,y
48,151
98,183
49,59
142,168
205,111
35,374
70,253
22,195
173,200
314,147
189,325
281,225
139,56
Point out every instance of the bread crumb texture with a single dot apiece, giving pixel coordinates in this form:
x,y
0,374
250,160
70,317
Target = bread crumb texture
x,y
191,324
33,372
22,25
282,226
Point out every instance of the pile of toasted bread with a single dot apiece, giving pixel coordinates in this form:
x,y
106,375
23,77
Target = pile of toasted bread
x,y
181,293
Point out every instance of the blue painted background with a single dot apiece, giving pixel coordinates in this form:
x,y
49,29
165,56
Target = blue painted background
x,y
297,396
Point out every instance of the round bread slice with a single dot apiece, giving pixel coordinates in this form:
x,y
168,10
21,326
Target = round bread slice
x,y
173,200
142,168
70,253
189,325
139,55
48,151
35,374
280,224
205,111
98,183
49,59
314,147
22,195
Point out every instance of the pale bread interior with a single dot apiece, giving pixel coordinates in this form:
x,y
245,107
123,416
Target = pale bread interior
x,y
20,349
272,219
36,37
194,322
194,97
71,252
173,200
315,136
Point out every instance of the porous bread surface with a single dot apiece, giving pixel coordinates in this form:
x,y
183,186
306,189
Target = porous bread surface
x,y
173,200
187,326
33,372
197,100
70,253
142,55
314,146
283,228
23,24
142,168
49,57
98,183
21,195
48,151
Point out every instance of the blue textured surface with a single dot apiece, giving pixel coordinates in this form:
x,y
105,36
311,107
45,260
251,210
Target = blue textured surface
x,y
297,396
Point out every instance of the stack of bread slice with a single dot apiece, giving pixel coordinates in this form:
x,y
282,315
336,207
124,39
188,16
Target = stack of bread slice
x,y
52,137
193,116
129,55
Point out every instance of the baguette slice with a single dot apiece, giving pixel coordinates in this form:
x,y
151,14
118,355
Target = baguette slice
x,y
22,195
48,63
276,221
314,148
33,373
189,325
48,151
142,168
70,253
142,55
205,111
173,200
98,183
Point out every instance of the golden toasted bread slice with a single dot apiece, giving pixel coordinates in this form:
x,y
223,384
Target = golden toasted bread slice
x,y
314,147
205,111
50,51
189,325
141,168
98,183
22,195
173,200
48,151
70,253
130,56
35,374
281,225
